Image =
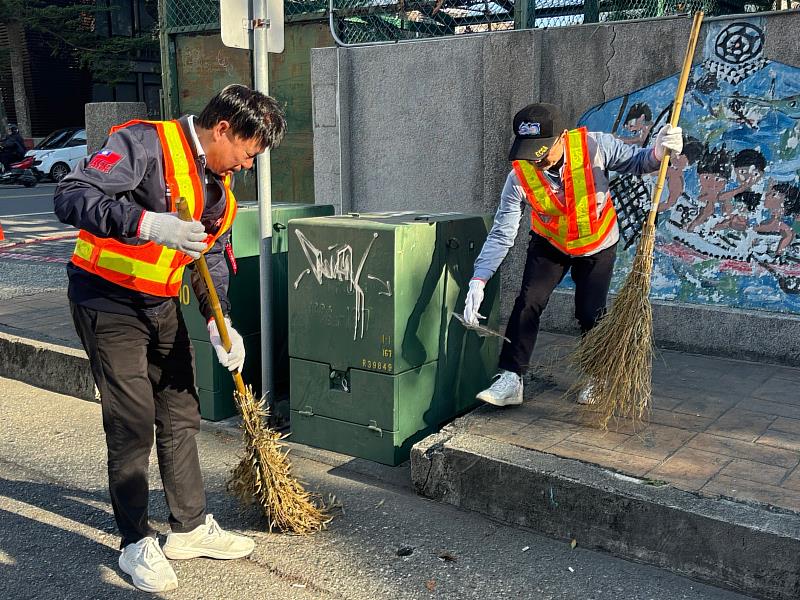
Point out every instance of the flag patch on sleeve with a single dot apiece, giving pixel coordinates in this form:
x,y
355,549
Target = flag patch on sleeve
x,y
104,161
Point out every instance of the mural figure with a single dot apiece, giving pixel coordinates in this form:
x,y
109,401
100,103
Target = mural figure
x,y
692,151
638,124
730,214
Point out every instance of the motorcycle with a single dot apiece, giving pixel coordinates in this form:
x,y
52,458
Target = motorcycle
x,y
20,173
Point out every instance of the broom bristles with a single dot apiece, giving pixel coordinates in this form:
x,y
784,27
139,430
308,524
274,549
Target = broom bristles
x,y
264,477
615,357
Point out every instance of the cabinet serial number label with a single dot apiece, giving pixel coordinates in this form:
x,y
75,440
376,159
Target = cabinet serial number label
x,y
376,365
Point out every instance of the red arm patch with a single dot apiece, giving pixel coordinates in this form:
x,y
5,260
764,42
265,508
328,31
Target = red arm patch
x,y
104,161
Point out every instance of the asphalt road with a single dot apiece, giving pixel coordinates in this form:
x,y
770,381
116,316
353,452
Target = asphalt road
x,y
36,247
26,214
58,541
18,200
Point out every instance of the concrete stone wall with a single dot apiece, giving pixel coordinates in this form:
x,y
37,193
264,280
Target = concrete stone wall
x,y
102,116
427,126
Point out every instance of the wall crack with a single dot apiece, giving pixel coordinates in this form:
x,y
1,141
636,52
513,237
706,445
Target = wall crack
x,y
608,62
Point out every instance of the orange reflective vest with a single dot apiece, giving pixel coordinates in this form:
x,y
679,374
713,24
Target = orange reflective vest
x,y
149,267
574,226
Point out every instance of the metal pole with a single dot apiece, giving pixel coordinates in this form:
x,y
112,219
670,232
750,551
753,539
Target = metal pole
x,y
261,80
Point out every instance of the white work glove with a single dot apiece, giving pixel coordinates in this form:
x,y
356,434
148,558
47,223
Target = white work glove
x,y
233,360
668,138
473,301
166,229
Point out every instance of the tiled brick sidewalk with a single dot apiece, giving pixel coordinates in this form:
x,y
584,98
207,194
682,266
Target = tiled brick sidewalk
x,y
718,427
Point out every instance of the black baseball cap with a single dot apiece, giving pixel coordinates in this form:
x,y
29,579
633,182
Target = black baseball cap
x,y
536,127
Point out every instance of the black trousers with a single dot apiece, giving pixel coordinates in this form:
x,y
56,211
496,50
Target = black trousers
x,y
144,368
545,267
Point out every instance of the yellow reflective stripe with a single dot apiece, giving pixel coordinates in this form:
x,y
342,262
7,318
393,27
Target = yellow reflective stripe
x,y
83,249
176,276
602,230
165,258
545,233
228,220
563,227
230,206
580,192
560,236
158,272
542,194
183,169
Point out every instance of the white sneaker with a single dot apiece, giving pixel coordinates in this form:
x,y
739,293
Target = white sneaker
x,y
586,395
505,391
208,540
148,567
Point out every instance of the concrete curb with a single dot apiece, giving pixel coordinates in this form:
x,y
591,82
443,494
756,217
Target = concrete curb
x,y
49,366
749,549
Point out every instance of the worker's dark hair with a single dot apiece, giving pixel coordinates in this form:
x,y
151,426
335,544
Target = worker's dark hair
x,y
13,128
252,115
640,109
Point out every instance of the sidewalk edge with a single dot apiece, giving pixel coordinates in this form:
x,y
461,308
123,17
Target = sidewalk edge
x,y
49,366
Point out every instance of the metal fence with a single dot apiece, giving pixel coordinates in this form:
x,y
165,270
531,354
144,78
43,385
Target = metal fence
x,y
369,21
365,21
181,16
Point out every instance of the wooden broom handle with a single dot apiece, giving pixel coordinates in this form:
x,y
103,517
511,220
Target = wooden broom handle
x,y
216,309
676,113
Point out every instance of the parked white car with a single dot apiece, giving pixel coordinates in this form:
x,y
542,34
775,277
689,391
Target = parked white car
x,y
56,154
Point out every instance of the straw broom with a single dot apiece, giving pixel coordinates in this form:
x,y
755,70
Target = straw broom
x,y
264,474
616,356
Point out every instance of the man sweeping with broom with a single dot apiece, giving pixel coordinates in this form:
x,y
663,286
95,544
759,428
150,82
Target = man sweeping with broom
x,y
124,279
563,176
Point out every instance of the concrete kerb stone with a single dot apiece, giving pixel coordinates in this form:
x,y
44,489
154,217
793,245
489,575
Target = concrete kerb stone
x,y
745,548
50,366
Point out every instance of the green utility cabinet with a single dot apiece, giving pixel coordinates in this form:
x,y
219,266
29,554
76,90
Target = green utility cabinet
x,y
214,382
377,361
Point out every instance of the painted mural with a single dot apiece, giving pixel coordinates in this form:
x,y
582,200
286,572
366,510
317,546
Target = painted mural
x,y
729,219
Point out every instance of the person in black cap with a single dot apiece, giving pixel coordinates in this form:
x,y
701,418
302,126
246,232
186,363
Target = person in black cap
x,y
562,175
